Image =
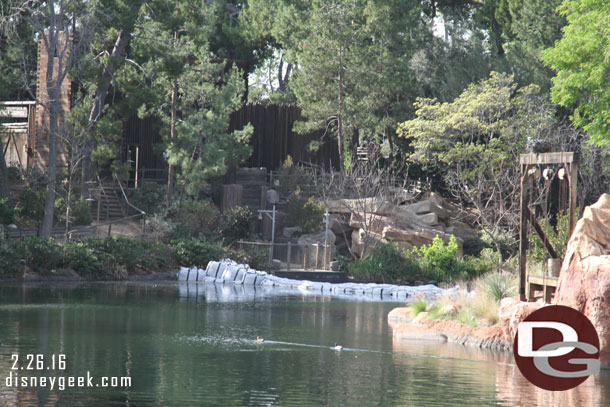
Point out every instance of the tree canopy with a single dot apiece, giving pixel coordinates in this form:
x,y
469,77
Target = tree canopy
x,y
580,59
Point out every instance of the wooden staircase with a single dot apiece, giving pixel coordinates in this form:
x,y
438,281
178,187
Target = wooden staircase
x,y
251,179
110,207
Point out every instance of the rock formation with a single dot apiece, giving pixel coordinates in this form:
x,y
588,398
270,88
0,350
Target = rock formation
x,y
584,280
410,225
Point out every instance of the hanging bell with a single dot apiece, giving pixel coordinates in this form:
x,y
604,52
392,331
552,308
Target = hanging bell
x,y
547,173
561,173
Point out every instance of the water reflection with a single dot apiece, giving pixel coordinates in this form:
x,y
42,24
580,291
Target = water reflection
x,y
497,371
195,344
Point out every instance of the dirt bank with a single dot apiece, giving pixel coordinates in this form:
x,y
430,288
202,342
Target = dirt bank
x,y
445,331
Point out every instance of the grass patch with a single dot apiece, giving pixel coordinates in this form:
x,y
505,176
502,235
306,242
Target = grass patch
x,y
477,308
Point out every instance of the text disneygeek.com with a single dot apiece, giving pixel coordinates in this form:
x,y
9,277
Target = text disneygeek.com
x,y
31,363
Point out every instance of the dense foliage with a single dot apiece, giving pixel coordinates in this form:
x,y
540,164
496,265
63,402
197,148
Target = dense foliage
x,y
438,261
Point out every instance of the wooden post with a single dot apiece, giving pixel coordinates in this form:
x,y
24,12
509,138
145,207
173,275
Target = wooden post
x,y
317,252
523,232
573,180
304,258
288,256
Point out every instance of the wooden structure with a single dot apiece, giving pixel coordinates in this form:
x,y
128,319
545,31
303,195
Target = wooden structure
x,y
17,130
568,161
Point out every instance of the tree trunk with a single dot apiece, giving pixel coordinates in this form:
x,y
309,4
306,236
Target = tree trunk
x,y
171,169
340,118
4,189
95,115
49,202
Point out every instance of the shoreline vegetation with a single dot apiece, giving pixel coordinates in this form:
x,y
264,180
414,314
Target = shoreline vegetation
x,y
469,318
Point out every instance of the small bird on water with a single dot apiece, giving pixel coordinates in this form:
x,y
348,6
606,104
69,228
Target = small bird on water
x,y
259,339
337,346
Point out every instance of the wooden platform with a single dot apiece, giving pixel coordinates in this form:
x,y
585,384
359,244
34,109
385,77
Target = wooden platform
x,y
547,285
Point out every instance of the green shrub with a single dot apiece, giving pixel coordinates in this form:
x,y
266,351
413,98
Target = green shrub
x,y
290,177
307,213
80,213
85,260
190,252
236,224
385,262
257,259
7,212
10,261
115,256
40,254
149,197
31,205
438,256
195,219
558,237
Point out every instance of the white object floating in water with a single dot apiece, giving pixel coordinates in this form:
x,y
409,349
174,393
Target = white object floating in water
x,y
227,271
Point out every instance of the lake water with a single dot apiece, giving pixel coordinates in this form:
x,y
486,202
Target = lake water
x,y
196,346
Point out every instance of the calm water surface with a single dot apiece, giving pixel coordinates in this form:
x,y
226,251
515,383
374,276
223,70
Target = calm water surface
x,y
196,346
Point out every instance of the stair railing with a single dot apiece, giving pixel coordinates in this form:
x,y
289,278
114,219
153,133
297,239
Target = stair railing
x,y
130,205
109,222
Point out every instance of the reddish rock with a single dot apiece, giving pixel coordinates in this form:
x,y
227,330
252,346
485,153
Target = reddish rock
x,y
451,331
512,312
584,280
402,314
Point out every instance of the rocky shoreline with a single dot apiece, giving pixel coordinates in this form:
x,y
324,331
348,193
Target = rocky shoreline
x,y
440,330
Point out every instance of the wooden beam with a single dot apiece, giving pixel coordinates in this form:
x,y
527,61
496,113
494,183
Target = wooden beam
x,y
573,182
14,112
549,158
547,245
523,231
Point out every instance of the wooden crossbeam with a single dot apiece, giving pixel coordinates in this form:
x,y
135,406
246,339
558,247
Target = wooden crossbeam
x,y
547,245
549,158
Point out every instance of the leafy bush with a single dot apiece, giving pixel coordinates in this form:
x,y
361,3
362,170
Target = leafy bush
x,y
40,254
386,262
115,256
307,213
290,177
257,259
236,224
505,241
195,219
31,205
80,213
438,257
149,197
10,261
437,261
558,237
190,252
85,260
7,212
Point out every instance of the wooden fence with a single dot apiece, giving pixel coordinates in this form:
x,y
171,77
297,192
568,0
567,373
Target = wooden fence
x,y
293,256
274,140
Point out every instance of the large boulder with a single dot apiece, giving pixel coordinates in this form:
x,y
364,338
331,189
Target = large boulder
x,y
584,280
377,206
512,312
317,238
